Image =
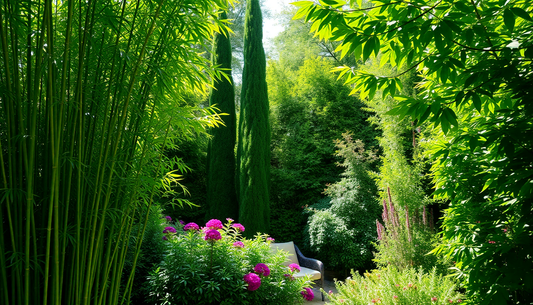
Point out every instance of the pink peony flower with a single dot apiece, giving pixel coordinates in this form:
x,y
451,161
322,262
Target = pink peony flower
x,y
238,226
212,235
214,224
253,280
294,267
238,244
191,226
169,230
262,269
308,294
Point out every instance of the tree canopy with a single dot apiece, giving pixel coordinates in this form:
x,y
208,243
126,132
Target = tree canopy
x,y
473,60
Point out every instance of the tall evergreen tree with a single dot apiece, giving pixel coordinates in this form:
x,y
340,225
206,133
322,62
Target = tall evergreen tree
x,y
253,151
221,196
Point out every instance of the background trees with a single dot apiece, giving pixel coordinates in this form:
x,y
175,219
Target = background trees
x,y
253,153
91,95
221,195
474,63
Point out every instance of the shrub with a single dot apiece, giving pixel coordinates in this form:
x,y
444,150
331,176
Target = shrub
x,y
203,269
407,241
342,234
391,286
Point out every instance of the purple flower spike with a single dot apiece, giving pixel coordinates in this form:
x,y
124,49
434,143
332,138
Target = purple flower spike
x,y
191,226
214,224
253,280
262,269
238,226
212,235
308,294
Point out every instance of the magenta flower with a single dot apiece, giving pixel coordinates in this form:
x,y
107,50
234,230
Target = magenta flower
x,y
308,294
169,230
289,276
212,235
294,267
182,222
238,226
191,226
262,269
434,299
238,244
168,218
270,239
253,280
214,224
229,220
165,237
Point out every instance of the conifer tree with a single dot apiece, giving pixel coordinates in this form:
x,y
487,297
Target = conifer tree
x,y
221,193
253,151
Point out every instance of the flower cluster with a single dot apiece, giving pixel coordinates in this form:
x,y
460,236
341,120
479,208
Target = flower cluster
x,y
238,226
212,235
168,218
238,244
294,267
169,230
308,294
270,239
214,224
262,269
191,226
253,280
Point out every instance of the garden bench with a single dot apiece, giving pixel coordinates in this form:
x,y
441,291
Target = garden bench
x,y
308,266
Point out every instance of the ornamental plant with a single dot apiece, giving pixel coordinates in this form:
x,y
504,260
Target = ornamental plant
x,y
392,286
219,266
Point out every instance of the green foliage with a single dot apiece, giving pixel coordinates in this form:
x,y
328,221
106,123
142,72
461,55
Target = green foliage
x,y
91,95
407,243
476,82
221,196
253,153
391,286
309,109
152,253
342,235
197,271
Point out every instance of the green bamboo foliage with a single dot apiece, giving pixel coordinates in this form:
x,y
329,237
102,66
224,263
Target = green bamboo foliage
x,y
91,92
253,150
221,196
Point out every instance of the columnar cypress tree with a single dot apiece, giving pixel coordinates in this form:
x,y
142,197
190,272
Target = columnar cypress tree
x,y
221,196
253,151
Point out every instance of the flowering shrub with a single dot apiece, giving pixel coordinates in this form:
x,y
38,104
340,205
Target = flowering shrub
x,y
392,286
293,267
308,294
219,266
191,226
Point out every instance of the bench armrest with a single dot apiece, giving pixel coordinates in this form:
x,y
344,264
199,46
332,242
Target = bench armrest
x,y
310,263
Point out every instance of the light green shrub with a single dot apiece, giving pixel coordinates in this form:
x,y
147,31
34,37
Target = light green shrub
x,y
391,286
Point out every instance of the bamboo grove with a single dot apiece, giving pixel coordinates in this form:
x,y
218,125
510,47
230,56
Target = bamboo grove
x,y
91,93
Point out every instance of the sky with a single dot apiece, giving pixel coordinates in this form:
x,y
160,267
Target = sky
x,y
271,27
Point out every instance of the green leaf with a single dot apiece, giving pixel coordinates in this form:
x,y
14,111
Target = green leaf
x,y
452,25
424,116
471,79
508,19
377,45
520,12
444,72
302,3
435,107
450,116
476,100
473,143
368,48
